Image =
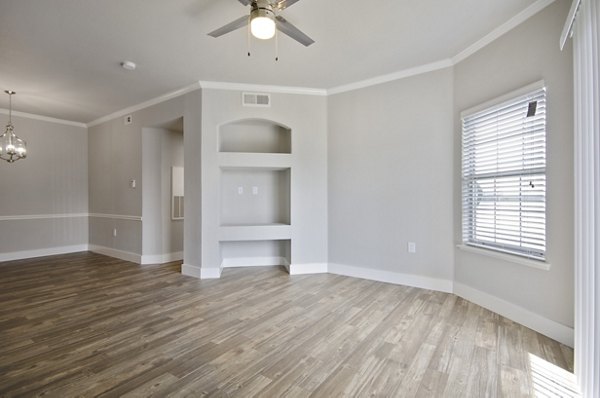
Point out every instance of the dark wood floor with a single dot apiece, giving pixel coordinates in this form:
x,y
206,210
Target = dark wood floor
x,y
87,325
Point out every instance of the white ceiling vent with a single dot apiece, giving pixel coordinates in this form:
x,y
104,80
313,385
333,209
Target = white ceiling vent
x,y
256,99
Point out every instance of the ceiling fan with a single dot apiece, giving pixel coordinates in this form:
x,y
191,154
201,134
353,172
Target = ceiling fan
x,y
264,21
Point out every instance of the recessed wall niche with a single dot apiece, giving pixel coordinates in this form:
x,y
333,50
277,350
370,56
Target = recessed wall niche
x,y
255,196
255,136
255,253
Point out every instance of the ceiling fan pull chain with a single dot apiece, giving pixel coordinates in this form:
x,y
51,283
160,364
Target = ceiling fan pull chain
x,y
248,34
276,45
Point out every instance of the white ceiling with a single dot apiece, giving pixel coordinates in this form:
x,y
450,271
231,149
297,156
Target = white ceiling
x,y
62,56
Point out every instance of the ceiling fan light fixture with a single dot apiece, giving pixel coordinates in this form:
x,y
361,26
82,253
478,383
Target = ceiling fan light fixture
x,y
262,23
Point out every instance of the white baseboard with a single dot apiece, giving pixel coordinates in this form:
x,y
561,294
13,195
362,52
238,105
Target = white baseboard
x,y
200,272
210,273
120,254
423,282
50,251
235,262
190,270
161,258
307,268
554,330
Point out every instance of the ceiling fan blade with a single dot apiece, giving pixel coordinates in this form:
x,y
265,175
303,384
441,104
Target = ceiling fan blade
x,y
283,4
230,27
285,27
245,2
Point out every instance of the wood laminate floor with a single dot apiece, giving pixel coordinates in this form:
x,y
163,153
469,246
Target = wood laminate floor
x,y
88,325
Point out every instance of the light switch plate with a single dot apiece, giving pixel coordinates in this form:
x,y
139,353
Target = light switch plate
x,y
412,247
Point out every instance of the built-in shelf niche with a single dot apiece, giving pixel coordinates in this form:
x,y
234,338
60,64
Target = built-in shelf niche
x,y
255,136
255,196
255,253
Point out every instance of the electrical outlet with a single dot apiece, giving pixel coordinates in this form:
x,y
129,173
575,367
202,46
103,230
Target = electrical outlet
x,y
115,232
240,190
132,183
412,247
254,190
127,120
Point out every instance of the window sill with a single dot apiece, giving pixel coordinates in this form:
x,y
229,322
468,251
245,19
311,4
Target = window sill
x,y
507,257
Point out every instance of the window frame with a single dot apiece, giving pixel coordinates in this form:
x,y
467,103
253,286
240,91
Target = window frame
x,y
499,250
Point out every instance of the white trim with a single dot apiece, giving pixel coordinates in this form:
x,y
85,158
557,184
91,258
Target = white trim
x,y
161,258
69,215
145,104
50,251
253,262
554,330
33,116
210,273
201,272
418,70
511,258
116,216
507,26
308,268
120,254
190,270
567,31
262,88
42,216
397,278
504,98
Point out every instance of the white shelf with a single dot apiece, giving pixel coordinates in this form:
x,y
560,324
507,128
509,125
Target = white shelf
x,y
255,232
267,161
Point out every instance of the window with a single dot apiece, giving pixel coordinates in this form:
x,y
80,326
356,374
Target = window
x,y
504,175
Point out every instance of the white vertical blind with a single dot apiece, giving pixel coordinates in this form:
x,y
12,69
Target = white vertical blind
x,y
504,176
586,54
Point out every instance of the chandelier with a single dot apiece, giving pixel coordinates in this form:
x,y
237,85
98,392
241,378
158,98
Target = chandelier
x,y
12,148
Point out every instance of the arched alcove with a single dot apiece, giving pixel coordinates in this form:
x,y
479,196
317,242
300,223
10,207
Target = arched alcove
x,y
255,136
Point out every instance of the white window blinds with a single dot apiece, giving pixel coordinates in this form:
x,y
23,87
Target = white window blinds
x,y
504,176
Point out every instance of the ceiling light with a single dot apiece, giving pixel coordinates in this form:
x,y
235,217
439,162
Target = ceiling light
x,y
262,23
12,148
128,65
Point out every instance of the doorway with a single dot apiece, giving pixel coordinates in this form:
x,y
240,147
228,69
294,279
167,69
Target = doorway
x,y
162,192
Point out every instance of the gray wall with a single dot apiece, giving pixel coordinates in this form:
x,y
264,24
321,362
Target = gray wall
x,y
115,158
390,176
172,156
524,55
271,204
51,181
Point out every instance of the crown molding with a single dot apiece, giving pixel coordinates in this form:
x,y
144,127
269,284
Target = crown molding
x,y
262,88
512,23
145,104
567,31
507,26
446,63
33,116
518,19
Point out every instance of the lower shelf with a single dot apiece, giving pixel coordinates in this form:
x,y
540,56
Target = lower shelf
x,y
255,232
255,253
